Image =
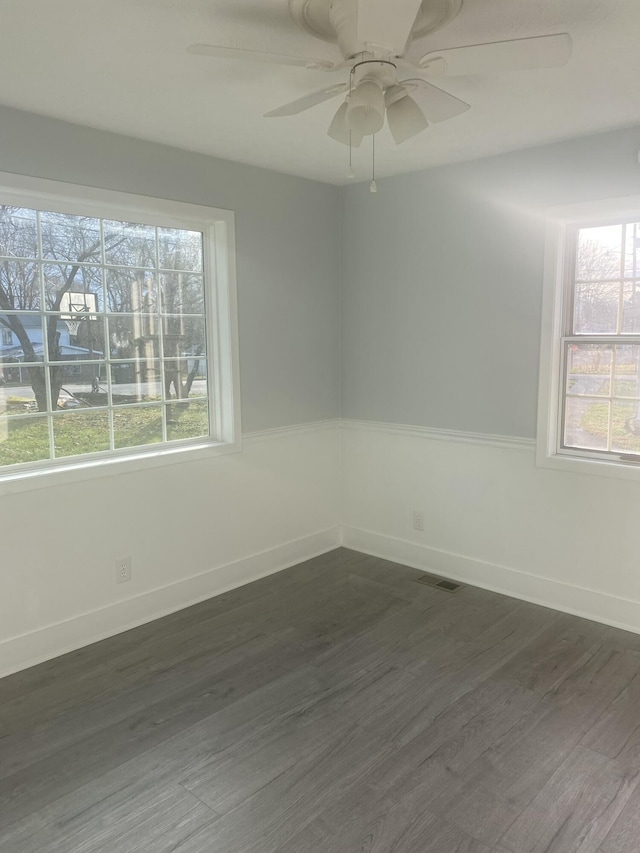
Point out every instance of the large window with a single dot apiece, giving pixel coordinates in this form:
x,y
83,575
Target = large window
x,y
591,403
115,328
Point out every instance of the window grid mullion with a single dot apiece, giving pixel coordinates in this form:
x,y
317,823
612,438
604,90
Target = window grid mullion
x,y
45,338
159,299
614,352
623,239
106,355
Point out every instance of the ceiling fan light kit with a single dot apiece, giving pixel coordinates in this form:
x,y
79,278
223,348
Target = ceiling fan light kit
x,y
374,38
405,118
340,131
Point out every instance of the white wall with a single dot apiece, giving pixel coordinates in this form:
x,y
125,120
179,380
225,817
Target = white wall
x,y
493,519
442,285
193,528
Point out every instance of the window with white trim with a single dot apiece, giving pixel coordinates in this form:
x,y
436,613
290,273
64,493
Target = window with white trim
x,y
590,404
116,314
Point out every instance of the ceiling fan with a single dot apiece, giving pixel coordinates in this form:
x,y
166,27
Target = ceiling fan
x,y
374,38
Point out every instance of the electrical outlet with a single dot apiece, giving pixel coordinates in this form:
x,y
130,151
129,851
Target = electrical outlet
x,y
418,520
123,570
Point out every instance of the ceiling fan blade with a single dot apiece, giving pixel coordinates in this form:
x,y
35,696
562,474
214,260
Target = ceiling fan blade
x,y
386,23
436,104
308,101
220,52
498,56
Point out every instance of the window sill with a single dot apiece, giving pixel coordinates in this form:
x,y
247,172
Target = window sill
x,y
92,468
582,465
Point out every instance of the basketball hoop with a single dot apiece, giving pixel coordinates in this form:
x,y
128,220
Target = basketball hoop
x,y
72,325
75,307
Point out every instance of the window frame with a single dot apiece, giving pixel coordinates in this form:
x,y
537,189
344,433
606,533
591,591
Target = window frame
x,y
558,299
221,328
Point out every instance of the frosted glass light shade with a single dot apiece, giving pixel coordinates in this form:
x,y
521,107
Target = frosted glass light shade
x,y
406,119
339,129
365,111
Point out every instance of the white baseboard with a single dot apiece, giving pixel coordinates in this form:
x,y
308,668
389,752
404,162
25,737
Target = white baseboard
x,y
579,601
32,648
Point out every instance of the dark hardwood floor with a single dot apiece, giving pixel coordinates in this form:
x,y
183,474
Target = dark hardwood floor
x,y
337,706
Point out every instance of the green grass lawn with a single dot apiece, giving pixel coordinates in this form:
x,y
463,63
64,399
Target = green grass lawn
x,y
25,437
596,422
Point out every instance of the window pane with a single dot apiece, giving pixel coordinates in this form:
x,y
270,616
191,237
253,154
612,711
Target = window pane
x,y
185,377
625,427
22,337
73,289
70,238
135,382
75,386
196,377
599,252
20,285
23,439
135,426
632,251
131,291
78,338
80,432
17,381
627,382
631,307
625,436
182,293
18,232
183,336
589,369
129,244
180,250
586,423
134,337
187,420
596,308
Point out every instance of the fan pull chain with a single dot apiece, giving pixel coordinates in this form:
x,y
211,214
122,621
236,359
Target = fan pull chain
x,y
373,187
350,174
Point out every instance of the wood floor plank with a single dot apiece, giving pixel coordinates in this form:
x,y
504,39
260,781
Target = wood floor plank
x,y
364,821
276,811
551,657
624,835
234,775
336,706
127,819
580,804
500,784
65,770
617,731
435,754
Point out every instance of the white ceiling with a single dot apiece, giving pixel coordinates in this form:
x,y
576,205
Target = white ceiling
x,y
121,65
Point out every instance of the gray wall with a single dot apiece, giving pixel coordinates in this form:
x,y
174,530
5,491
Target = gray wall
x,y
442,283
287,234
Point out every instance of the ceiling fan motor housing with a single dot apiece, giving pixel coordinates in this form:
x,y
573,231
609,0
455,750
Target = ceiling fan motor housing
x,y
345,22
